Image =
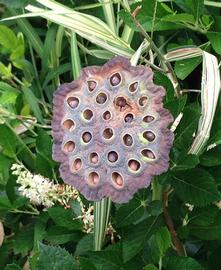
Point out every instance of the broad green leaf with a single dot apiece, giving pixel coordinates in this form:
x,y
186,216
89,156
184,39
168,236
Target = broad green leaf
x,y
136,236
5,71
163,240
8,98
8,38
184,67
60,235
15,3
84,245
8,141
215,39
86,264
24,239
176,105
196,187
203,216
51,257
64,218
33,102
184,162
179,18
43,143
183,263
187,127
211,157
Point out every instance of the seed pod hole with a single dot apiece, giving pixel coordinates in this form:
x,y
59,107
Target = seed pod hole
x,y
91,85
68,124
106,115
112,156
77,164
94,158
73,102
115,79
87,114
133,87
86,137
142,101
69,146
108,133
134,165
93,178
148,118
127,139
117,179
120,102
129,118
148,153
101,98
149,135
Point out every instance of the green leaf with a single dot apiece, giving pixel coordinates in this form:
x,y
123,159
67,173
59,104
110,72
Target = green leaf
x,y
150,267
136,236
54,258
179,18
15,3
12,266
203,216
184,67
44,143
212,157
8,38
195,186
33,102
86,264
5,164
131,212
5,71
215,39
24,239
183,263
186,127
8,141
184,162
163,240
84,245
64,218
176,105
208,232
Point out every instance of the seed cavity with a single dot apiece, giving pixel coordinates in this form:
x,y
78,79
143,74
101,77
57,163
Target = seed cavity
x,y
108,133
91,85
149,135
133,87
106,115
148,118
101,98
117,179
121,103
93,178
129,118
86,137
148,153
69,146
77,164
87,114
142,101
68,124
73,102
127,139
134,165
115,79
112,156
94,158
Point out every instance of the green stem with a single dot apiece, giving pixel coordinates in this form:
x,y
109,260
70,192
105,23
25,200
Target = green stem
x,y
109,14
101,218
157,190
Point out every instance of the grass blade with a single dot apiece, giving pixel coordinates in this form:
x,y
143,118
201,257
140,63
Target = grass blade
x,y
75,58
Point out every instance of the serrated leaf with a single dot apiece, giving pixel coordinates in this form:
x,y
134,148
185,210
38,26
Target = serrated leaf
x,y
203,216
196,187
51,257
211,157
185,162
183,263
84,245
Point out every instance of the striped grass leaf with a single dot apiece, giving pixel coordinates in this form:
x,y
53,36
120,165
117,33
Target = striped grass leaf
x,y
210,89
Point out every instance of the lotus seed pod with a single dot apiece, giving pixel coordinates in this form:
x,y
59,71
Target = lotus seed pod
x,y
110,130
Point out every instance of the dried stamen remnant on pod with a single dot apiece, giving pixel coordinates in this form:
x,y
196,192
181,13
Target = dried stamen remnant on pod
x,y
110,130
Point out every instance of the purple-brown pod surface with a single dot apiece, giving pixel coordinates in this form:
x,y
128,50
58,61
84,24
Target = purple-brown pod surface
x,y
110,130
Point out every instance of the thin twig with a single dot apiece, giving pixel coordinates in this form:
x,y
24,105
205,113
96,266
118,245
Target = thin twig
x,y
165,64
177,243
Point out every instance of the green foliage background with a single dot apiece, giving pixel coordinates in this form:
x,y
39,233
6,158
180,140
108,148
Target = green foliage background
x,y
35,56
